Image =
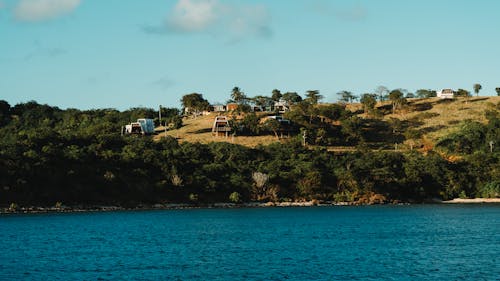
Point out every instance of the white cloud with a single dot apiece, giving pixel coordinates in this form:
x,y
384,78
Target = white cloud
x,y
39,10
193,15
214,17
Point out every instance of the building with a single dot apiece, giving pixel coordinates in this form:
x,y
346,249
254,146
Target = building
x,y
446,94
221,126
281,106
218,108
143,126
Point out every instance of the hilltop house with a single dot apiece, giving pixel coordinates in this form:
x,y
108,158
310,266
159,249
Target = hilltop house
x,y
446,94
281,106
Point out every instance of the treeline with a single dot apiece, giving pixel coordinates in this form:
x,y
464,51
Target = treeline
x,y
49,155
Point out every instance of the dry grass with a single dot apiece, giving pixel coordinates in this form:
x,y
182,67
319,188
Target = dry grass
x,y
441,117
435,119
199,129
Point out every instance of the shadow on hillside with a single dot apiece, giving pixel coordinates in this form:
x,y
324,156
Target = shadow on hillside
x,y
201,131
432,129
378,131
421,106
477,99
385,109
445,101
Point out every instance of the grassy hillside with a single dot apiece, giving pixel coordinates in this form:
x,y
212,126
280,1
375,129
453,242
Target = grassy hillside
x,y
199,129
433,117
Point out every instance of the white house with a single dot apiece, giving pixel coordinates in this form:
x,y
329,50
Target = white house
x,y
446,94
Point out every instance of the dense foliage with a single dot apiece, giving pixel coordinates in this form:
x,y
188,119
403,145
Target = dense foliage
x,y
49,155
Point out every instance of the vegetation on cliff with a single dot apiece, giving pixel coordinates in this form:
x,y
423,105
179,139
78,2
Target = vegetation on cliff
x,y
49,155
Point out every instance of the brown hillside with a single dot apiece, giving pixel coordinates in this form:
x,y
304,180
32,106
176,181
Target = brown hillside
x,y
432,116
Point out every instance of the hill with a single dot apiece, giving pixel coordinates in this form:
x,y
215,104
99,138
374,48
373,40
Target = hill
x,y
433,118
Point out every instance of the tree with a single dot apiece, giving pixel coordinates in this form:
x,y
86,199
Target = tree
x,y
412,136
410,95
497,89
276,95
238,96
477,88
347,96
423,93
273,125
368,101
4,112
463,93
381,92
235,197
291,97
263,101
194,103
397,99
313,96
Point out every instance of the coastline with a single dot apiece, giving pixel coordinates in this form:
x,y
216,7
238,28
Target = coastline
x,y
170,206
472,201
181,206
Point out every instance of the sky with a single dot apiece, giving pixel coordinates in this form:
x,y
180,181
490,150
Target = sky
x,y
130,53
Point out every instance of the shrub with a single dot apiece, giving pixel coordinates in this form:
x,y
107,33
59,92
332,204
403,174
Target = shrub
x,y
235,197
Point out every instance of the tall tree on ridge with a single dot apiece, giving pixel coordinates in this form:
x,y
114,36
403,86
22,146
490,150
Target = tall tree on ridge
x,y
313,96
276,95
237,95
477,88
347,96
381,92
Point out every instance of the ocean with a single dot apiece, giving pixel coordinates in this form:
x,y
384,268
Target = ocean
x,y
411,242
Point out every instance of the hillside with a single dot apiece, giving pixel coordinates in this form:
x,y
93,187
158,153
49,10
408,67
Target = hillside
x,y
432,117
199,129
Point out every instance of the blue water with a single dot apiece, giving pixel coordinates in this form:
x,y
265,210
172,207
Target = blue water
x,y
430,242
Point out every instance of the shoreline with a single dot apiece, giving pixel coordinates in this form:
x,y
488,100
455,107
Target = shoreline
x,y
472,201
184,206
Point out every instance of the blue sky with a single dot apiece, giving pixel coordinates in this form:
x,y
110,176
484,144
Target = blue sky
x,y
128,53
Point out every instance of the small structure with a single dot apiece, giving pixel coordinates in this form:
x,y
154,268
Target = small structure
x,y
221,126
143,126
281,106
446,94
280,119
218,108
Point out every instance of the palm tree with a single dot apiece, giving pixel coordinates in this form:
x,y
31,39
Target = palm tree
x,y
477,88
237,95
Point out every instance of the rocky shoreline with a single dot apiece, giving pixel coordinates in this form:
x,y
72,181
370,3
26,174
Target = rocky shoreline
x,y
81,208
180,206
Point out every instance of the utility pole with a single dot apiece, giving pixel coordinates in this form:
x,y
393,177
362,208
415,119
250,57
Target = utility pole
x,y
159,114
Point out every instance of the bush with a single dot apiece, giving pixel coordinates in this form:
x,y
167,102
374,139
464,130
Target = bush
x,y
490,190
235,197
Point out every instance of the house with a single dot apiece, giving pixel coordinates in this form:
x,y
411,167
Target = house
x,y
281,106
221,126
143,126
218,108
446,94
